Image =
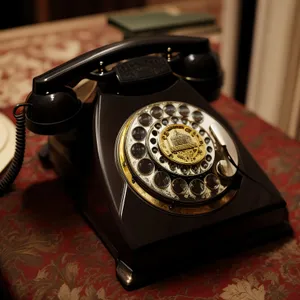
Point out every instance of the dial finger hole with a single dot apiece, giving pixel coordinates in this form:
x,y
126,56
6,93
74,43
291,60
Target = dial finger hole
x,y
197,116
145,119
146,166
179,186
162,179
212,181
139,133
184,110
170,109
138,150
197,187
156,112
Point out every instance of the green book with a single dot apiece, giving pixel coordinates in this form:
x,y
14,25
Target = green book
x,y
154,22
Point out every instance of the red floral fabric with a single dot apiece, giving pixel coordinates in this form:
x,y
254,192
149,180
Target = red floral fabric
x,y
47,251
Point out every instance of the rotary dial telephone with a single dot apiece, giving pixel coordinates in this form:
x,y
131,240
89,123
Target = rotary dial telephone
x,y
157,173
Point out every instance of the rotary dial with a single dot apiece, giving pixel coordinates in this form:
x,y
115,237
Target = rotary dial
x,y
170,151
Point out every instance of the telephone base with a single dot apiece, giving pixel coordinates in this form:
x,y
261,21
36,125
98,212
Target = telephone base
x,y
149,243
132,279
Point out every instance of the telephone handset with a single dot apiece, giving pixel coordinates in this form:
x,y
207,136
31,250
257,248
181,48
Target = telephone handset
x,y
154,169
51,94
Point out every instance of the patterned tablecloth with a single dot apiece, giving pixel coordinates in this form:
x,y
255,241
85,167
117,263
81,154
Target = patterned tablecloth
x,y
47,251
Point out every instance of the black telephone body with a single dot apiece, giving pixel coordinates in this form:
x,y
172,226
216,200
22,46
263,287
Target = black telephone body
x,y
160,175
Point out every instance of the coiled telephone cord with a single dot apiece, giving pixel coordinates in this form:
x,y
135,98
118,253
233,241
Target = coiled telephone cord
x,y
16,164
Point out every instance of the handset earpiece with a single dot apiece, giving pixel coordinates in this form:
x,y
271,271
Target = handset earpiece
x,y
52,113
202,71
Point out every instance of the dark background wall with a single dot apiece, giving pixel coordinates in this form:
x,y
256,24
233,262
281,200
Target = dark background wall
x,y
16,13
24,12
66,9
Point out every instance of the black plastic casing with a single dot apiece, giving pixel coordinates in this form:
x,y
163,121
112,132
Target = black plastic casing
x,y
146,242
